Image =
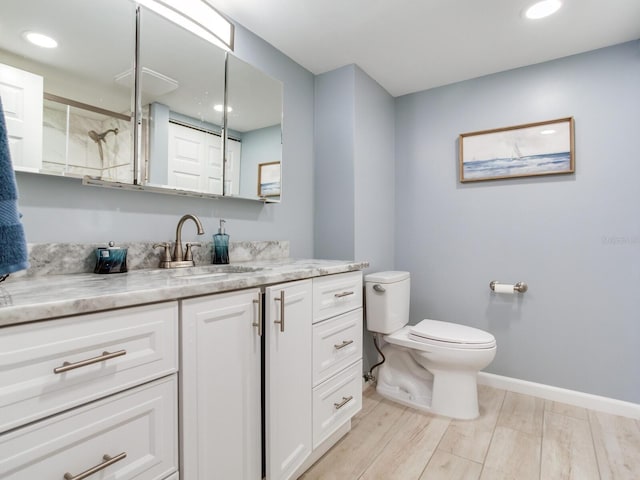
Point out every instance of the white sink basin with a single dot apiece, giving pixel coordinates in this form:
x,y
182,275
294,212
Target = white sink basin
x,y
197,276
212,271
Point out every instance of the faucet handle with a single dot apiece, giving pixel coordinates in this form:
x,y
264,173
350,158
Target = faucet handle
x,y
166,255
188,254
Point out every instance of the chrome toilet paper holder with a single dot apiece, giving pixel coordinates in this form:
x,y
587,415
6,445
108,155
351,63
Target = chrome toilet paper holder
x,y
519,287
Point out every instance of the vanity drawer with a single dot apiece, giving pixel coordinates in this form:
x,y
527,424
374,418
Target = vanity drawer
x,y
337,343
336,294
336,401
141,423
123,348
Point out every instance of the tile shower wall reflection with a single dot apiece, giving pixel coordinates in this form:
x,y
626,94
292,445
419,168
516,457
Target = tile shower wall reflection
x,y
79,142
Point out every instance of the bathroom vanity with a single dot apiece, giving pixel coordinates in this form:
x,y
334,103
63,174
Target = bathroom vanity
x,y
234,372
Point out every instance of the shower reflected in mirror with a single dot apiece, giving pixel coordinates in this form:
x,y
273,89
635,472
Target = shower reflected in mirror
x,y
99,137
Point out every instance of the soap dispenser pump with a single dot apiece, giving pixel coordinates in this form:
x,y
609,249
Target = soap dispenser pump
x,y
221,246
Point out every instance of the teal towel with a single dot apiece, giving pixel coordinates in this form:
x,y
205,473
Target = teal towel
x,y
13,247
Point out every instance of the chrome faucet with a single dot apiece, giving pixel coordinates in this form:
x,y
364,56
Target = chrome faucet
x,y
179,259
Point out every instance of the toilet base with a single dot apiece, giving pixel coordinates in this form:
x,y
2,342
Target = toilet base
x,y
398,396
446,392
455,394
402,380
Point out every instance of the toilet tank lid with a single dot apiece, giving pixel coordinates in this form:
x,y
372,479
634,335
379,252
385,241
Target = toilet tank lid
x,y
386,277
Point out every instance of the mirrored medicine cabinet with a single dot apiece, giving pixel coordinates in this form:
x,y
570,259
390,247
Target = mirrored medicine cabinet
x,y
71,110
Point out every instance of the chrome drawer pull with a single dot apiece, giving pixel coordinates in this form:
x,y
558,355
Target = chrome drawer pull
x,y
108,460
281,300
66,366
259,322
343,294
344,401
343,344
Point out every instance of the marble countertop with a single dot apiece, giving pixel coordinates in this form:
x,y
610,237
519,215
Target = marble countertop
x,y
37,298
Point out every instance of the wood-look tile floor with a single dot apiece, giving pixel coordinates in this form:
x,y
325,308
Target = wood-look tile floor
x,y
516,437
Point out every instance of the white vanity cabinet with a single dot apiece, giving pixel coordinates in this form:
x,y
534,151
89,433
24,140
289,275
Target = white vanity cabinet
x,y
220,386
220,383
242,385
91,393
337,353
288,414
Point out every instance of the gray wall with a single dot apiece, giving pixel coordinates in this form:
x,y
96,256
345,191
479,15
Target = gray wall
x,y
258,146
354,171
374,173
62,210
334,201
354,154
574,239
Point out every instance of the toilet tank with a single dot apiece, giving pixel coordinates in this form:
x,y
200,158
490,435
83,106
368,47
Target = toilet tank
x,y
387,301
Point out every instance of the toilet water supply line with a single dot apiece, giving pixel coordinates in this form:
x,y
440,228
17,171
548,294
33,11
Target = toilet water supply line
x,y
369,376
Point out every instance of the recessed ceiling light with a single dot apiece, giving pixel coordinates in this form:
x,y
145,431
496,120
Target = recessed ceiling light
x,y
219,108
547,132
542,9
40,39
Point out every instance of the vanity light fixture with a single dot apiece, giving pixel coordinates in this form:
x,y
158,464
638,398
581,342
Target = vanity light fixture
x,y
219,108
40,39
542,9
198,17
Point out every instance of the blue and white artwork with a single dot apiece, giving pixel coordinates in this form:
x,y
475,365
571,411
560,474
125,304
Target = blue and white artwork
x,y
269,179
534,149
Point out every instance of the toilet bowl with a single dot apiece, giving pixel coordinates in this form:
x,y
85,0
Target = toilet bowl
x,y
431,366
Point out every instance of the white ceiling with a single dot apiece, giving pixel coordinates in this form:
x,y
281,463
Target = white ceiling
x,y
413,45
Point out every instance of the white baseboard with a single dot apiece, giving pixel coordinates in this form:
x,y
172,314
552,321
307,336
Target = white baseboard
x,y
572,397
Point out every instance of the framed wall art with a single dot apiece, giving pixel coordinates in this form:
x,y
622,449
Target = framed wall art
x,y
542,148
269,179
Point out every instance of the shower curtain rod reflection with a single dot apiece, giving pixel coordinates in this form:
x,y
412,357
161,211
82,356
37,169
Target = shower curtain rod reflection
x,y
85,106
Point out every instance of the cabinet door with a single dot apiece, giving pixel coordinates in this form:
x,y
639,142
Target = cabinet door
x,y
288,377
220,387
21,94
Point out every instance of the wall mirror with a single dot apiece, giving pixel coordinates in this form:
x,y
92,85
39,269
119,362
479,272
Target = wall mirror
x,y
182,98
254,121
65,111
69,109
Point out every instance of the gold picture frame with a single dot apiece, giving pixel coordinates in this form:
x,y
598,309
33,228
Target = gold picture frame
x,y
269,179
532,149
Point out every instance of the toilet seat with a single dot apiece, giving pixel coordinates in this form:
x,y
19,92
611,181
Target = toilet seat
x,y
446,334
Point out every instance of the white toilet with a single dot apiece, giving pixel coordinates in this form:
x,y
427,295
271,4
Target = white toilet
x,y
430,366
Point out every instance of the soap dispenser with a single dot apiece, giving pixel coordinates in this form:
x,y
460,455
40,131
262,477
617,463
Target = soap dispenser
x,y
221,246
